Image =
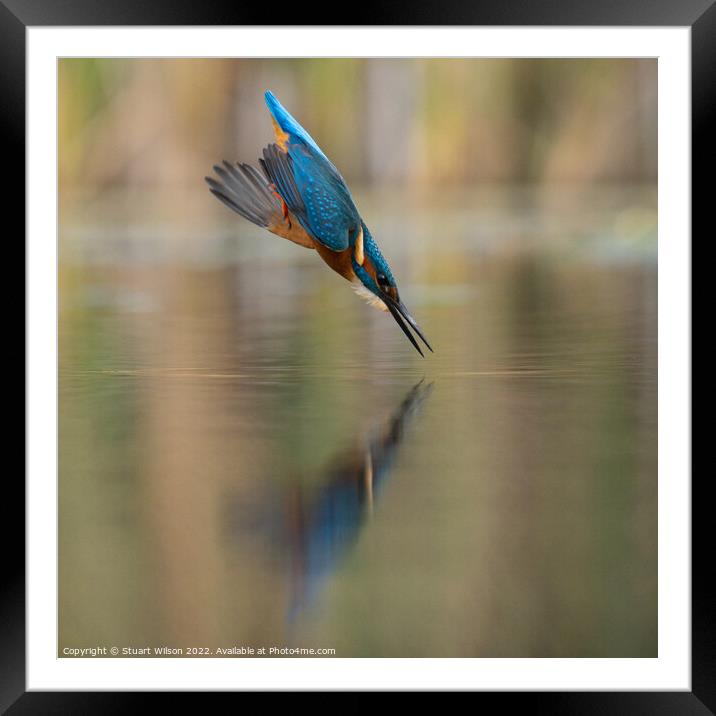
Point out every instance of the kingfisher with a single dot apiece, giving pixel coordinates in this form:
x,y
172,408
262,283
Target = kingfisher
x,y
300,195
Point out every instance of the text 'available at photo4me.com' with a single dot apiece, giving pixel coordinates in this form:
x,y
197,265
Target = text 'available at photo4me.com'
x,y
194,651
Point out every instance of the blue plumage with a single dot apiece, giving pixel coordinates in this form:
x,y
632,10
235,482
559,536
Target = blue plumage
x,y
326,209
332,523
313,207
289,125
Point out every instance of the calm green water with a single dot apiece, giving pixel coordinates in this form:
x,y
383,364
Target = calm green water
x,y
250,456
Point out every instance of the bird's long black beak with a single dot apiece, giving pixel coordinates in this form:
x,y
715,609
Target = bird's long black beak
x,y
399,312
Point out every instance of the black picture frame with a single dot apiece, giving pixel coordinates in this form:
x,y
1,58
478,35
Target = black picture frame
x,y
17,15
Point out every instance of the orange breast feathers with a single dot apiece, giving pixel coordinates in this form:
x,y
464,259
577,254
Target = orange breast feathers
x,y
339,261
289,228
283,223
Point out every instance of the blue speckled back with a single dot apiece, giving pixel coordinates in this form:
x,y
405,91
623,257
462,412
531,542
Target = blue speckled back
x,y
330,214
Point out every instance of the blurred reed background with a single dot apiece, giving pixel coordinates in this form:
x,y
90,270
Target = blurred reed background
x,y
219,387
421,126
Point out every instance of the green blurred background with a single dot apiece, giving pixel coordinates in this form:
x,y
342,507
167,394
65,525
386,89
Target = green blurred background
x,y
221,389
429,124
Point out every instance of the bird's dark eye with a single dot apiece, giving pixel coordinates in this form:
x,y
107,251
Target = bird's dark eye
x,y
382,280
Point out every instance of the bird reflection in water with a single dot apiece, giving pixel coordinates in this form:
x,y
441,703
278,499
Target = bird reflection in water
x,y
323,528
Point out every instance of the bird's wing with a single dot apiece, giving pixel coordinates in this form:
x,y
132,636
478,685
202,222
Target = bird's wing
x,y
310,185
245,190
278,168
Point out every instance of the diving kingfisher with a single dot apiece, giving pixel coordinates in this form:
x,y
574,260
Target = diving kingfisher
x,y
301,196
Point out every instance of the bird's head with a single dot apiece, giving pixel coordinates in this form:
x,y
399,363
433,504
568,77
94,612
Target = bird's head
x,y
378,285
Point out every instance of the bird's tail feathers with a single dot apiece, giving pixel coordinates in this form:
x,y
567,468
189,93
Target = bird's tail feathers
x,y
287,125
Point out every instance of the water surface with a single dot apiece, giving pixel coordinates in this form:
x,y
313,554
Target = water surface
x,y
250,456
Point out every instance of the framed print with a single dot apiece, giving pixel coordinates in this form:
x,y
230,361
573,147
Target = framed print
x,y
242,476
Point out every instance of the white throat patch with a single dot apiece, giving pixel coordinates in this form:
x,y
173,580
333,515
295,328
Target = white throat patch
x,y
368,296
